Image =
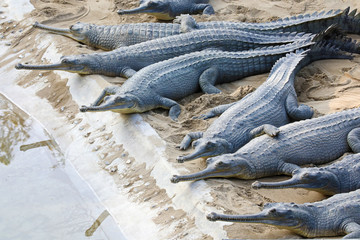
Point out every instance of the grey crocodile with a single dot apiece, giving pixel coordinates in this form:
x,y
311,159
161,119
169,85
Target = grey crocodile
x,y
161,84
125,61
335,216
314,23
339,177
272,105
110,37
169,9
312,141
114,36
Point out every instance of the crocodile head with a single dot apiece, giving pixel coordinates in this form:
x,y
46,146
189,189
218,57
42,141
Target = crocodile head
x,y
282,215
316,179
207,147
157,8
126,103
225,166
78,31
81,64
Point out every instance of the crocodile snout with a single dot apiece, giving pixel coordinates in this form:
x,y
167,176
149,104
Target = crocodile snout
x,y
19,66
180,159
256,185
212,217
175,179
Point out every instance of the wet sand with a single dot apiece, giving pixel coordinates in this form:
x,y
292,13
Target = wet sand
x,y
137,160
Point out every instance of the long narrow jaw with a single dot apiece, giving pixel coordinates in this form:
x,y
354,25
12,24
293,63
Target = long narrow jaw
x,y
200,152
140,9
291,218
207,173
60,31
254,218
120,107
293,182
57,66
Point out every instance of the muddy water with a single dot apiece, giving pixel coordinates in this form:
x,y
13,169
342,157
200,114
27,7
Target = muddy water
x,y
41,195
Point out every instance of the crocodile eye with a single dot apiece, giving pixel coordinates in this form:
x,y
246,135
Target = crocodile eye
x,y
220,164
210,145
195,144
107,98
65,60
273,210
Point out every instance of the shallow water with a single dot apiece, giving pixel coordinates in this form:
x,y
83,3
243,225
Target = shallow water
x,y
42,196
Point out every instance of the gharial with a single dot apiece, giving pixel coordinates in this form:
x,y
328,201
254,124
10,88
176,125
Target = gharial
x,y
169,9
315,22
337,215
161,84
339,177
114,36
312,141
125,61
272,105
110,37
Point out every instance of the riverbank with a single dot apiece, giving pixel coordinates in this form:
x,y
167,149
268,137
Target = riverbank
x,y
128,160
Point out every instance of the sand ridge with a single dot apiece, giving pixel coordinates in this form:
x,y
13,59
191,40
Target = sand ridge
x,y
328,86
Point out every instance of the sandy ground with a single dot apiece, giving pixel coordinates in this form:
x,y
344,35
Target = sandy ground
x,y
328,86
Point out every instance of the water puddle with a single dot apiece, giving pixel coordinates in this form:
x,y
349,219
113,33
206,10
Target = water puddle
x,y
42,196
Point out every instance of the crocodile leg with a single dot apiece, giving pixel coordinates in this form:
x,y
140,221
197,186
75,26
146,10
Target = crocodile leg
x,y
216,111
128,72
353,140
270,130
208,79
353,230
287,168
295,111
185,143
174,107
106,92
203,8
187,23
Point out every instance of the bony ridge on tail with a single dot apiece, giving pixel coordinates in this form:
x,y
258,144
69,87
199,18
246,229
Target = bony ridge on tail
x,y
125,61
272,105
312,141
161,84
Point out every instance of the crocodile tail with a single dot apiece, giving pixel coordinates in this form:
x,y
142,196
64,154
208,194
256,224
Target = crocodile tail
x,y
303,56
331,31
344,43
304,23
293,57
324,50
350,21
336,36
